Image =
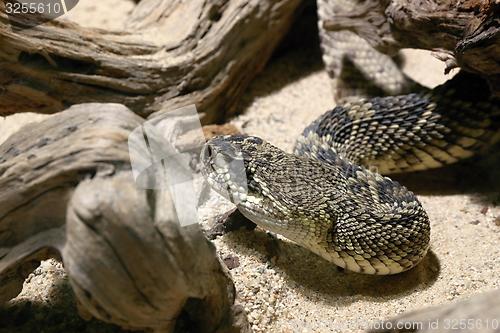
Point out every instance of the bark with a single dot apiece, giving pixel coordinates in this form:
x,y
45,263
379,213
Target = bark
x,y
173,53
68,192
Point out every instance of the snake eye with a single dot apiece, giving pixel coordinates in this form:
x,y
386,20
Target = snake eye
x,y
208,151
254,140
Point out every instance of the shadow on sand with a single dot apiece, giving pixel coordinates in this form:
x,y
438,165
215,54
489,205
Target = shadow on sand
x,y
303,269
58,314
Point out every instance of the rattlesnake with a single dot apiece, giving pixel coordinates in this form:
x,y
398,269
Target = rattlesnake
x,y
330,197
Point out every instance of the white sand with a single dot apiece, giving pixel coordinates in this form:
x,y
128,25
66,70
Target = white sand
x,y
300,292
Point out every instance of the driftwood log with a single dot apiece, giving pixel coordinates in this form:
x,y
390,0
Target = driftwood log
x,y
202,52
173,53
66,183
68,192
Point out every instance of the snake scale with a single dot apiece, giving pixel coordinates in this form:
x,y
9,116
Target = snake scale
x,y
329,195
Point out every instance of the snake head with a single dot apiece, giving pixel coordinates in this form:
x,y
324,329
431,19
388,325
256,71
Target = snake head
x,y
224,166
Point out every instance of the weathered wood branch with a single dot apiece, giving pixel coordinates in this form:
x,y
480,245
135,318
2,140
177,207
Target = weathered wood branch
x,y
68,191
467,33
173,53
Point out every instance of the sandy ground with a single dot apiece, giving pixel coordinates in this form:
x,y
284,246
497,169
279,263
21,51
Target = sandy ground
x,y
298,291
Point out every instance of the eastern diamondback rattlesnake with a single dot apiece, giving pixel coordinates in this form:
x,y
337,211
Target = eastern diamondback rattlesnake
x,y
329,196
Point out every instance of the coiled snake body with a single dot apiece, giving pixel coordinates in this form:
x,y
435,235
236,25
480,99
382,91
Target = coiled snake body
x,y
330,197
